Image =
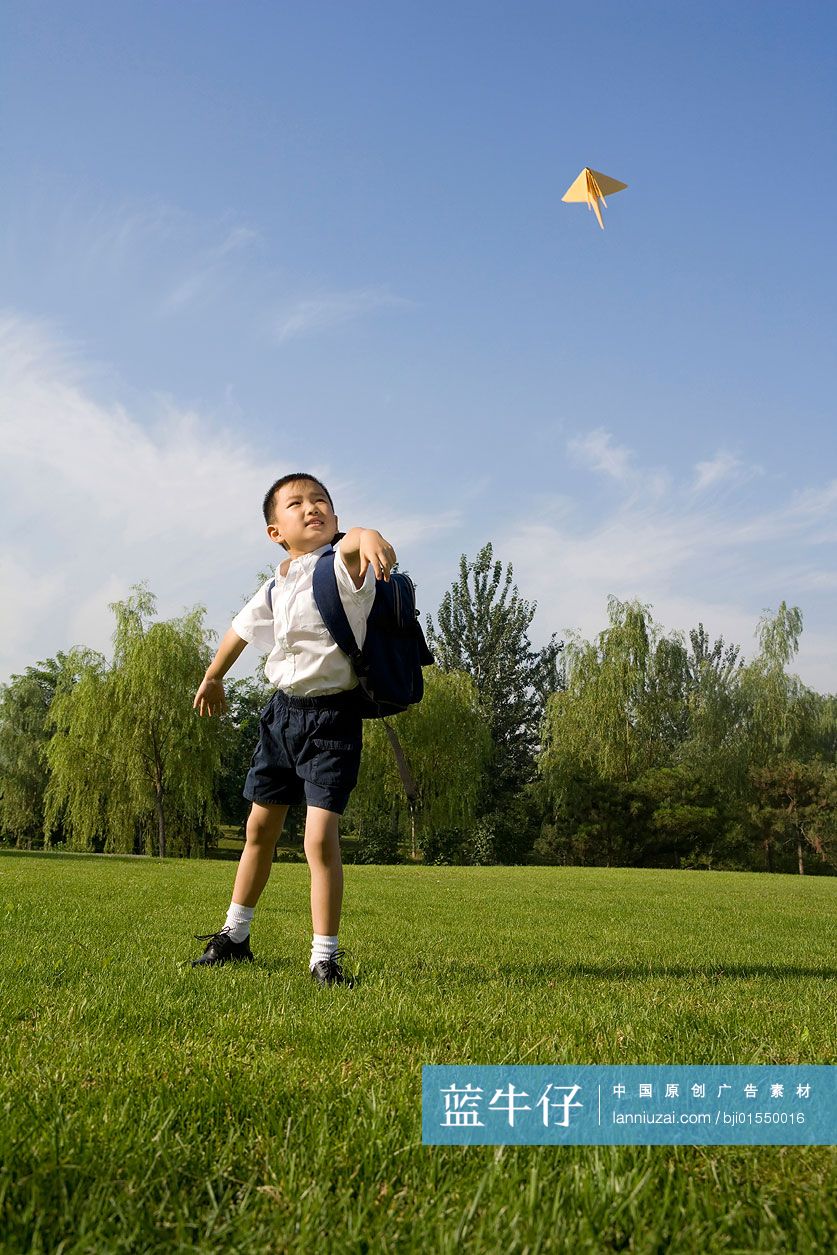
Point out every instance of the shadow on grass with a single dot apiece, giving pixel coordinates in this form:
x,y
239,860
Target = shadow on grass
x,y
549,973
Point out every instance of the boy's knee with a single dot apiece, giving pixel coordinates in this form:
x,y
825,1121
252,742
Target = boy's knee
x,y
264,825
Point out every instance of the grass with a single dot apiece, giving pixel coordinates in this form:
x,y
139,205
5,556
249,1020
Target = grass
x,y
147,1106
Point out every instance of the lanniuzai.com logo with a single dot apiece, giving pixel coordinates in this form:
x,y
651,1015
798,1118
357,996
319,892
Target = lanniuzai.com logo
x,y
616,1104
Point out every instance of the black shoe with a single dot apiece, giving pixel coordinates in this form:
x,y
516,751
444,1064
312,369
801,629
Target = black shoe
x,y
329,971
222,949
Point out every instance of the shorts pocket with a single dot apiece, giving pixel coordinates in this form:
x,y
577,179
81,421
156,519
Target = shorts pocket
x,y
336,760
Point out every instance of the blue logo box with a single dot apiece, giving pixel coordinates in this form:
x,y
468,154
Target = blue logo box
x,y
621,1105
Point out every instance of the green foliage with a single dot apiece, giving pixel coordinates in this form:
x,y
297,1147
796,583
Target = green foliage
x,y
795,805
681,816
443,846
781,713
447,745
132,766
622,707
378,843
715,748
24,736
483,631
238,734
588,821
652,753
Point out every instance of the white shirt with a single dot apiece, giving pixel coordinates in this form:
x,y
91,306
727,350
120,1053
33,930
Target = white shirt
x,y
303,658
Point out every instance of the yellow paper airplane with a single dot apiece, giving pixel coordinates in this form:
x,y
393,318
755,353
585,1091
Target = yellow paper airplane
x,y
591,186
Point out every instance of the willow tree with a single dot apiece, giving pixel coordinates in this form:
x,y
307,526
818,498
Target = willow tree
x,y
447,746
602,723
131,763
783,721
782,714
623,713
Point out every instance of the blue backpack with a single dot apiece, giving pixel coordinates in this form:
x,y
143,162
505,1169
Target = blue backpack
x,y
394,651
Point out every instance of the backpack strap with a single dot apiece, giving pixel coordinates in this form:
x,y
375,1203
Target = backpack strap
x,y
330,606
404,772
327,598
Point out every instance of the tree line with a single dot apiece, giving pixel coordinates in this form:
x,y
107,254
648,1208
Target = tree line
x,y
638,748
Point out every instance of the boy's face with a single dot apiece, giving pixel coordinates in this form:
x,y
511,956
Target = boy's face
x,y
302,517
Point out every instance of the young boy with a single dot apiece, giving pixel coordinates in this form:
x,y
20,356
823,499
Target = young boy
x,y
310,732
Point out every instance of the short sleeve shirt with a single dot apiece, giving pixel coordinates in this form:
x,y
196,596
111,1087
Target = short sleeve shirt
x,y
282,619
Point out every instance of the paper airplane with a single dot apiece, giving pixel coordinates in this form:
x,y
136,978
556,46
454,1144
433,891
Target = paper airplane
x,y
590,186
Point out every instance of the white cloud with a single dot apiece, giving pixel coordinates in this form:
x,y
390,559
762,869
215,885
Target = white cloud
x,y
329,309
597,451
211,271
94,502
721,467
690,557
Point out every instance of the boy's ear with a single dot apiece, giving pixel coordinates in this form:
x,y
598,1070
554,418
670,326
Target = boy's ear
x,y
275,535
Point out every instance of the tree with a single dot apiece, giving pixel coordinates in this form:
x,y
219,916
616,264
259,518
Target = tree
x,y
483,631
131,763
24,736
796,803
680,814
825,727
615,716
715,748
782,712
626,743
588,821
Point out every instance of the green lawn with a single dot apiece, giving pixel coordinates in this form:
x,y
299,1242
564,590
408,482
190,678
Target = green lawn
x,y
148,1106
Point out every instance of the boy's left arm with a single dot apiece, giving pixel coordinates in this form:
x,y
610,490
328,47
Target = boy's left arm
x,y
361,548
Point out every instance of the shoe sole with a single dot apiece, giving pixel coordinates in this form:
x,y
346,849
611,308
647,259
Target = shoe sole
x,y
233,958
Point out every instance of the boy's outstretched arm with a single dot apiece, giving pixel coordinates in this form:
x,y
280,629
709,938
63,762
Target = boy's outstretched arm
x,y
362,547
210,698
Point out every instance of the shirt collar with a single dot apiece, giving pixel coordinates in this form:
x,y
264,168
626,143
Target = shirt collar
x,y
307,558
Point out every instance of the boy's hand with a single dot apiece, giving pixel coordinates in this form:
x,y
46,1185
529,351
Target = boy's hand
x,y
210,698
376,552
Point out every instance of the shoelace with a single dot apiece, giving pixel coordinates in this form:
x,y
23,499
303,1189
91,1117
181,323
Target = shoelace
x,y
334,960
223,932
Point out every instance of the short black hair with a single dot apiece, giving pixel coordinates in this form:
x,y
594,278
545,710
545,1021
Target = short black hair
x,y
267,505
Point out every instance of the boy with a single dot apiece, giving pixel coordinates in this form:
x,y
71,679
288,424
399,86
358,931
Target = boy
x,y
310,732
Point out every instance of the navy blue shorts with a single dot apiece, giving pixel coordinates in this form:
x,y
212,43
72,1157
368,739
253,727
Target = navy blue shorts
x,y
308,751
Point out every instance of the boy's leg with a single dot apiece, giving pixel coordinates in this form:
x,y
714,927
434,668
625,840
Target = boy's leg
x,y
322,850
264,828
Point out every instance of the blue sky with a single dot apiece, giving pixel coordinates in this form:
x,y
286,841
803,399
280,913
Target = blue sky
x,y
242,239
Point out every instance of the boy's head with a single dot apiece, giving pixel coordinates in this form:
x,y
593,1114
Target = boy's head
x,y
298,510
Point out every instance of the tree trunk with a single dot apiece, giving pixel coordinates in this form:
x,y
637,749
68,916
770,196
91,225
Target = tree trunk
x,y
799,855
159,790
768,853
161,823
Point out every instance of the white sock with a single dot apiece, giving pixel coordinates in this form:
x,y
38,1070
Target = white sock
x,y
322,948
238,921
